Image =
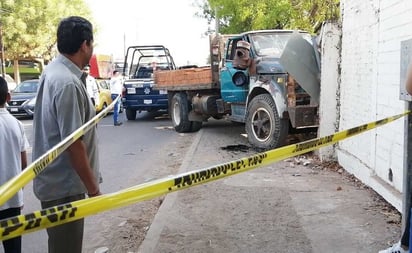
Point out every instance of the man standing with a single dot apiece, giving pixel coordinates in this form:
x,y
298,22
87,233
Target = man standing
x,y
116,87
13,146
63,106
91,86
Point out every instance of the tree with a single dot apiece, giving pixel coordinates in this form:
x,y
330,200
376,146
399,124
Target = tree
x,y
310,14
29,27
235,16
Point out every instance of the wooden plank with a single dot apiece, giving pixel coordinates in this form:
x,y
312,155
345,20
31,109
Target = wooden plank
x,y
183,77
199,86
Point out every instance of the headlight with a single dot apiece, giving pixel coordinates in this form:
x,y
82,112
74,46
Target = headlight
x,y
280,80
239,78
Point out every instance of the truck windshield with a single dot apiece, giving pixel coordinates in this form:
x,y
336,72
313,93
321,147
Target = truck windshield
x,y
273,44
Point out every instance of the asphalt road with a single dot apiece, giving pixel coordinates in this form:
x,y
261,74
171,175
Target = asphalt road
x,y
127,158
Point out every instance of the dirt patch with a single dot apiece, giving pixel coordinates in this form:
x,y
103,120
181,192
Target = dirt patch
x,y
129,234
379,203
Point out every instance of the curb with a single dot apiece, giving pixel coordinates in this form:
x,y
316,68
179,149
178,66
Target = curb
x,y
153,234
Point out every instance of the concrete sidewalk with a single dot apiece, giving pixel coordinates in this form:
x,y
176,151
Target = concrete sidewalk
x,y
283,207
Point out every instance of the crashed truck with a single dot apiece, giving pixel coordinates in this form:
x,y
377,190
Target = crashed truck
x,y
268,79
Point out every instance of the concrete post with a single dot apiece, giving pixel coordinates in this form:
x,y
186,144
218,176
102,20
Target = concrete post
x,y
330,40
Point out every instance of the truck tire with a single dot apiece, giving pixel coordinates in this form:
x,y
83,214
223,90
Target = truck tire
x,y
180,113
195,126
130,114
264,128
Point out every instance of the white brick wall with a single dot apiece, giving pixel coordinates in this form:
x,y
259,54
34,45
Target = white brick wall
x,y
372,31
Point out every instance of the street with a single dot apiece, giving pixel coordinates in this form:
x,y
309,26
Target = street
x,y
131,154
283,207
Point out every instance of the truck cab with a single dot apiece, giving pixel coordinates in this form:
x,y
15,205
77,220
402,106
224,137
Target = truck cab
x,y
267,79
270,79
138,89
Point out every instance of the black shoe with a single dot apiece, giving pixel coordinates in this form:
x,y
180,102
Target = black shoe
x,y
118,123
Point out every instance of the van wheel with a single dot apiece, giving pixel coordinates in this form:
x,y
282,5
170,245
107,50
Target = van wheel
x,y
264,128
130,114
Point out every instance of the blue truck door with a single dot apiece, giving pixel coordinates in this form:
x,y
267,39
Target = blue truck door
x,y
231,92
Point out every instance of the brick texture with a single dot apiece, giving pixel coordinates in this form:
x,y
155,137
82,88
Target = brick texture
x,y
372,32
183,77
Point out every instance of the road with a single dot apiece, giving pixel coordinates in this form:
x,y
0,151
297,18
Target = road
x,y
131,154
300,208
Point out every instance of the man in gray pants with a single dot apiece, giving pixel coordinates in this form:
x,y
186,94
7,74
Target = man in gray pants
x,y
62,106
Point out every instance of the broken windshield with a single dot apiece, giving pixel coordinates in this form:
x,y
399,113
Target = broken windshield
x,y
273,43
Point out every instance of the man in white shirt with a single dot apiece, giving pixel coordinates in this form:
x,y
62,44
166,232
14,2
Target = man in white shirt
x,y
91,86
13,158
116,87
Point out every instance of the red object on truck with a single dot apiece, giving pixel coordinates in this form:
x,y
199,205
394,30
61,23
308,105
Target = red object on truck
x,y
101,66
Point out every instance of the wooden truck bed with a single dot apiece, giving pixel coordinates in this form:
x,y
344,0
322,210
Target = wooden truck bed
x,y
184,79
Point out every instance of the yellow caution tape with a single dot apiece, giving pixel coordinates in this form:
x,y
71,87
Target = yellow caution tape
x,y
57,215
12,186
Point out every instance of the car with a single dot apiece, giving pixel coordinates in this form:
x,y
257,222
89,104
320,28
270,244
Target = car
x,y
23,98
10,82
105,98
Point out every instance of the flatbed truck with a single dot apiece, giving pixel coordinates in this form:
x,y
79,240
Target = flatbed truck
x,y
268,79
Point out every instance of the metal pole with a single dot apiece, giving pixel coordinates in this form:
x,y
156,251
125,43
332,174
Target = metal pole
x,y
216,22
124,44
407,172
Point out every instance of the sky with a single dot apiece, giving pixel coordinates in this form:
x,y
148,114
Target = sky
x,y
172,23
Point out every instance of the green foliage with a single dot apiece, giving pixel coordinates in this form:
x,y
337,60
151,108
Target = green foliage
x,y
236,16
309,14
29,27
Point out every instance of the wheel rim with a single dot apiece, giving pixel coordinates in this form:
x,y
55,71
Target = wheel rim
x,y
176,113
261,124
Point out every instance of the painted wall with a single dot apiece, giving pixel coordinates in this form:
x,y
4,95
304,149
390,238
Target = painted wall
x,y
370,81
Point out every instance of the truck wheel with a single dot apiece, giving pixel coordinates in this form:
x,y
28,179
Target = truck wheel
x,y
180,113
130,114
263,125
195,126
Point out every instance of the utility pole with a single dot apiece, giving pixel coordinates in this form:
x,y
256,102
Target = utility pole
x,y
216,22
124,44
